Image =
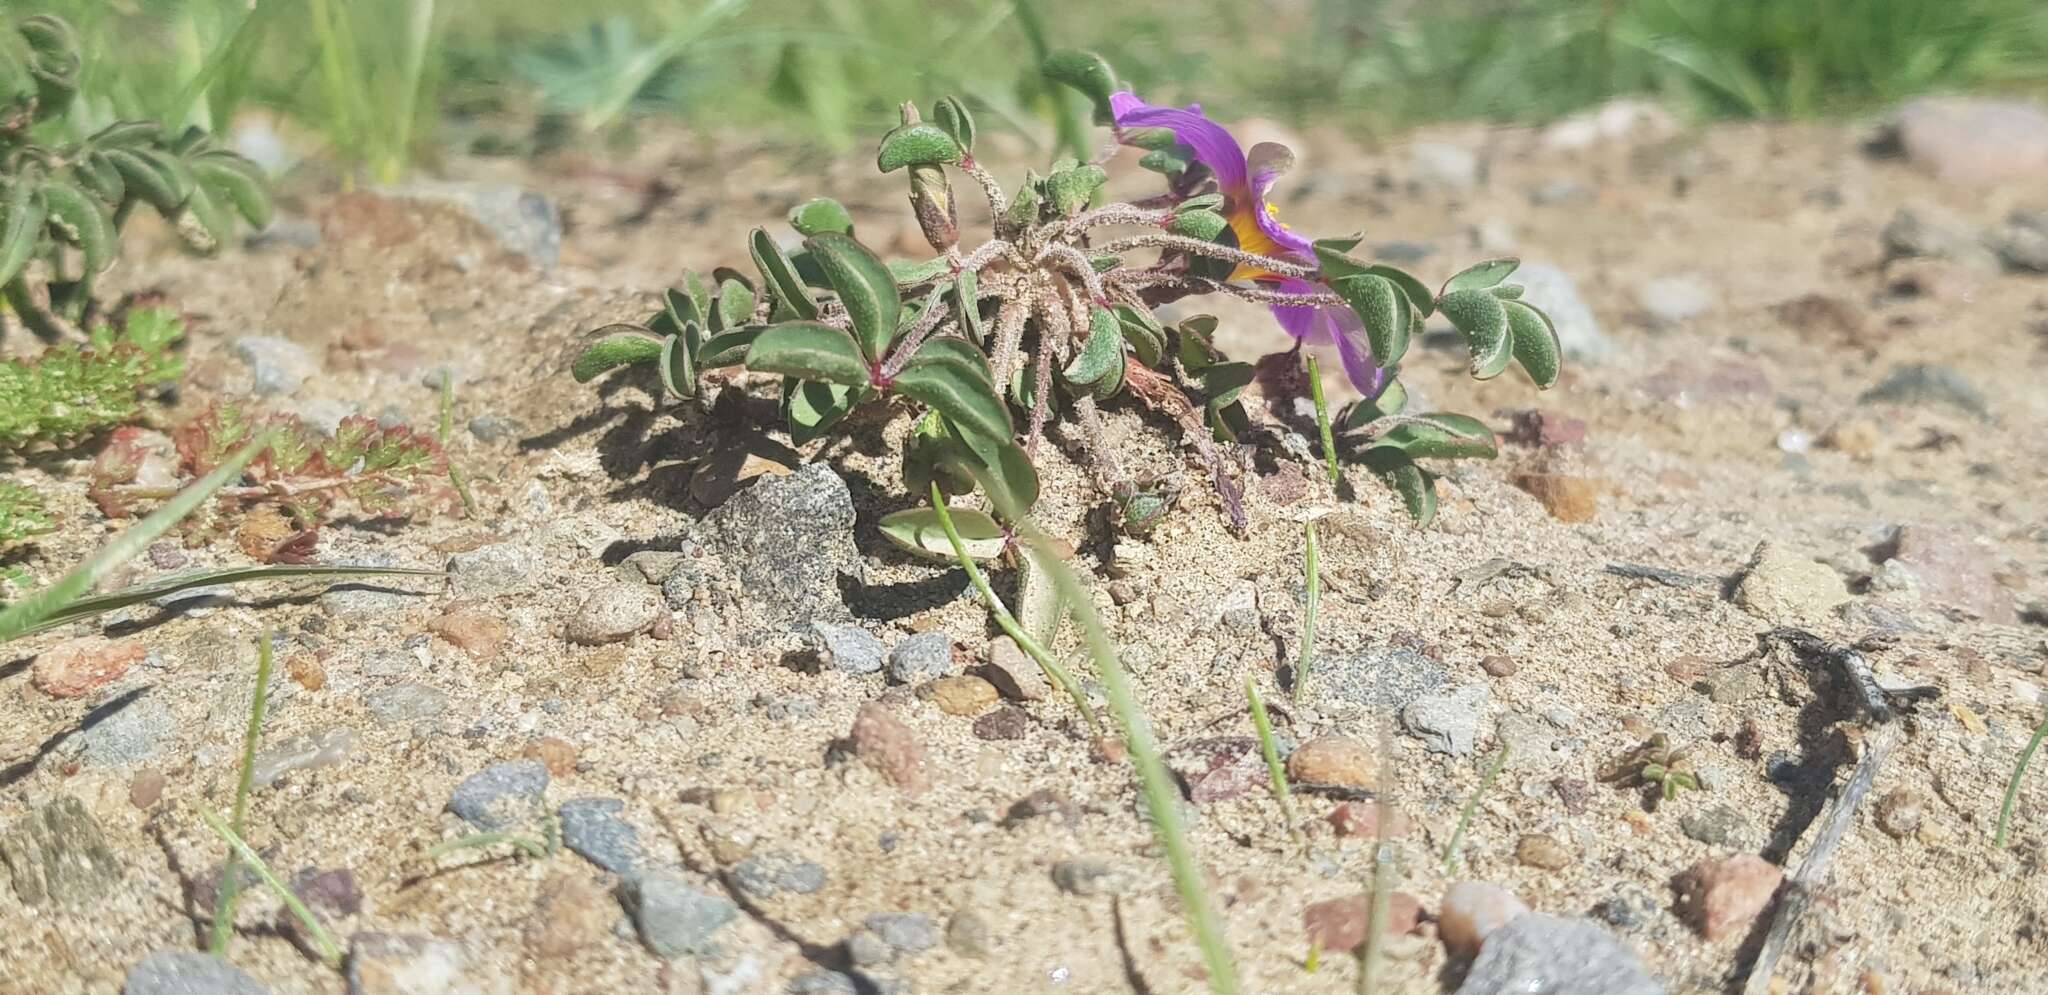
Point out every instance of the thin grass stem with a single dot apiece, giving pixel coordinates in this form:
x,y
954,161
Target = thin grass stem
x,y
1271,751
1450,858
2012,788
1315,387
330,951
1053,671
230,880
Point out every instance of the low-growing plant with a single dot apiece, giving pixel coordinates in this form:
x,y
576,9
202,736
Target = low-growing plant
x,y
1657,765
75,391
1054,315
63,203
364,468
23,514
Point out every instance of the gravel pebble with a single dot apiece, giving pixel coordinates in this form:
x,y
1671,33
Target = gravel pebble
x,y
1782,586
1339,925
1336,760
1723,896
502,795
881,740
1448,722
188,972
674,919
1547,955
1545,852
1015,675
278,366
129,735
499,568
1721,825
905,932
593,829
1900,811
1471,912
1005,723
406,702
848,649
922,657
614,612
309,751
78,667
771,875
960,695
1089,877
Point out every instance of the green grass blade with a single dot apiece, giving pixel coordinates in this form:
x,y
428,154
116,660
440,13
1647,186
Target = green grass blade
x,y
29,614
1275,771
330,951
1312,601
80,608
230,883
2012,788
1162,793
1315,386
1471,805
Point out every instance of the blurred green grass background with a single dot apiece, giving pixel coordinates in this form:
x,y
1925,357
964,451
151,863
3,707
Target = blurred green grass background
x,y
383,80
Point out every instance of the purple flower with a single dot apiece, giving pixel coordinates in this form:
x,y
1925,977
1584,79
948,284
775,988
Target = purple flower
x,y
1244,182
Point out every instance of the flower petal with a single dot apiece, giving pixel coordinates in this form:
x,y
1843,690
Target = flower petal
x,y
1354,349
1213,145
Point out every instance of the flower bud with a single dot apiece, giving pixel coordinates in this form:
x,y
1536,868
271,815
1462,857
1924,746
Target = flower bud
x,y
931,198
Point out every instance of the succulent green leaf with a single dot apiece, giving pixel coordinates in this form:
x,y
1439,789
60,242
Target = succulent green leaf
x,y
865,287
1223,382
820,214
1388,317
910,274
1170,162
615,346
808,350
1415,486
728,348
1070,190
1338,263
1204,202
1392,399
1484,320
1507,291
1087,72
1143,332
1535,343
917,145
1441,435
967,303
1204,225
812,408
956,350
1480,276
678,367
735,306
1030,195
1003,470
697,293
951,114
792,299
956,390
1103,354
917,531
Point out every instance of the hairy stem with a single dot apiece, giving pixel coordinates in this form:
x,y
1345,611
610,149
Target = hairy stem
x,y
1204,285
1077,263
1010,320
998,205
1196,246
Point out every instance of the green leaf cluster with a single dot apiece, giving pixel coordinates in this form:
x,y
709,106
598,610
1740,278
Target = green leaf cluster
x,y
71,391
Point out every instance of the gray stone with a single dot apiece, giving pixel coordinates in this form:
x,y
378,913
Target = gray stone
x,y
867,950
1444,165
277,366
922,657
130,735
650,566
593,829
1672,300
1974,142
406,702
968,934
311,751
674,919
2023,242
614,612
770,875
790,540
1734,683
1945,567
1552,290
56,855
1532,743
188,972
1089,877
1923,231
1929,383
1558,192
495,428
1784,587
1717,826
1448,722
499,568
1546,955
502,795
523,221
905,932
848,649
1382,678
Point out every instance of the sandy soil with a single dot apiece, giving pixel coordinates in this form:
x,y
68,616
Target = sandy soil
x,y
722,750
